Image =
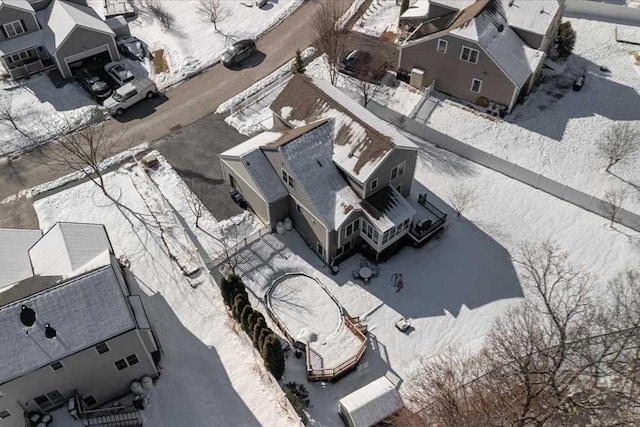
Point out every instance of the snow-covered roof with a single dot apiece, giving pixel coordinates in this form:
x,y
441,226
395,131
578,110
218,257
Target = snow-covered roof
x,y
361,140
67,247
17,4
386,208
14,254
84,312
309,156
372,403
502,44
264,176
531,15
419,9
249,145
60,18
17,44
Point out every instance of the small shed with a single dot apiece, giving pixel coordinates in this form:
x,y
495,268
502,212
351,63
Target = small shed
x,y
370,404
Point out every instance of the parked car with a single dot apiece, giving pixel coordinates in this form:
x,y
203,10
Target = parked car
x,y
130,94
118,73
93,84
355,63
238,52
577,85
133,48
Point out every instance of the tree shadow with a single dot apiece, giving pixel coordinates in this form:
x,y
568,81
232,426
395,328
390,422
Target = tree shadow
x,y
442,160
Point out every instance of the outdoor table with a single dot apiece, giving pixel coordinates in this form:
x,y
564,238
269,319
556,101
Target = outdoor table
x,y
365,273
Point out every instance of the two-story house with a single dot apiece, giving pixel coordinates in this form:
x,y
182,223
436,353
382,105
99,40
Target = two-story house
x,y
36,35
68,323
483,51
338,172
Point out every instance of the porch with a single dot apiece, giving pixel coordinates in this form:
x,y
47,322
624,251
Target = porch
x,y
428,222
24,55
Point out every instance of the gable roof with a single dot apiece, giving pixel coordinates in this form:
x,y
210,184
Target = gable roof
x,y
67,247
17,4
14,254
372,403
60,18
84,311
361,140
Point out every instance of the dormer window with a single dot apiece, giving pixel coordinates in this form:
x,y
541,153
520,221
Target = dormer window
x,y
13,28
287,179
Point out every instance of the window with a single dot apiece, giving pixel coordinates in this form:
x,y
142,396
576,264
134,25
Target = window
x,y
399,188
398,170
132,360
320,249
19,56
288,179
370,232
14,28
4,414
126,362
385,237
469,55
298,208
374,184
476,85
50,400
56,365
102,348
442,46
352,228
89,400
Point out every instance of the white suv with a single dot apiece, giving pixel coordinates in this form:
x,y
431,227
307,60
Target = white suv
x,y
129,94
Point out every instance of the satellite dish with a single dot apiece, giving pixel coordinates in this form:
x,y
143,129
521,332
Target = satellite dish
x,y
27,316
49,332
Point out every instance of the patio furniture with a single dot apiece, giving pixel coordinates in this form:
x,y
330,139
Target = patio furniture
x,y
364,263
403,324
356,274
365,273
375,270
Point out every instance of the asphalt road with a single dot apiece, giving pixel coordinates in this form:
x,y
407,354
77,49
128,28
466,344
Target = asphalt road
x,y
184,104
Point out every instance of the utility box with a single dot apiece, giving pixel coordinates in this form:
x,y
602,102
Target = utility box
x,y
418,77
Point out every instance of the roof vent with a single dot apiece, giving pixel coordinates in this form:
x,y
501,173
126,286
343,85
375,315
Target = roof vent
x,y
500,28
319,164
49,332
27,316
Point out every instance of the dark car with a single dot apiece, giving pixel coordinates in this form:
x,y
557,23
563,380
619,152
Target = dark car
x,y
133,48
238,52
355,63
93,84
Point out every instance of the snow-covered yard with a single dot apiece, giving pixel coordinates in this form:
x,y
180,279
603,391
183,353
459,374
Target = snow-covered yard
x,y
556,130
381,17
211,374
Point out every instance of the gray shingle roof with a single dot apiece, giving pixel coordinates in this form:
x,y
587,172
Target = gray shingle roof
x,y
84,311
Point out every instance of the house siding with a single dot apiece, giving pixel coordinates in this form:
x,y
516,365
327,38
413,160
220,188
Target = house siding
x,y
436,10
454,76
310,228
81,40
241,178
88,372
341,237
280,209
9,14
383,172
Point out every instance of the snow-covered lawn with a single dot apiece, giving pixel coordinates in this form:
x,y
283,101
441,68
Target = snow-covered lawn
x,y
191,43
211,374
556,131
381,17
38,107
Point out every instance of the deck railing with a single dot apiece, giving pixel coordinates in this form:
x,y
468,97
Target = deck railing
x,y
441,218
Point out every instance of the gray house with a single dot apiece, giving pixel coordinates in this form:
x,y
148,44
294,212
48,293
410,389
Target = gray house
x,y
38,35
488,52
68,325
339,173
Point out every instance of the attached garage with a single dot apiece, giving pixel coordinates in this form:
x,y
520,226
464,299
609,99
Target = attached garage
x,y
74,34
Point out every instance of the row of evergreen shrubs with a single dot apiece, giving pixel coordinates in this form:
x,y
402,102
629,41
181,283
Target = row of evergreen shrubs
x,y
253,323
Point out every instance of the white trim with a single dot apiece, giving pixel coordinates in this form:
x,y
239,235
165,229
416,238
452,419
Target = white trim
x,y
398,188
3,411
402,164
12,24
516,90
473,80
371,187
470,51
289,182
446,46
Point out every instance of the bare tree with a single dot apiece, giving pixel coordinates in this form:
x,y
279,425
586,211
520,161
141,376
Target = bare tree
x,y
461,198
367,72
612,202
621,140
8,113
557,358
157,10
331,37
194,190
211,10
229,258
82,151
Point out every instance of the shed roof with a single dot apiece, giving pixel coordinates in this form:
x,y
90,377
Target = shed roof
x,y
372,403
361,140
387,208
60,18
84,311
14,254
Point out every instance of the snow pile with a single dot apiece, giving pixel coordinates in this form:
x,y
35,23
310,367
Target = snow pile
x,y
192,44
38,107
381,17
556,131
272,78
211,375
349,13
